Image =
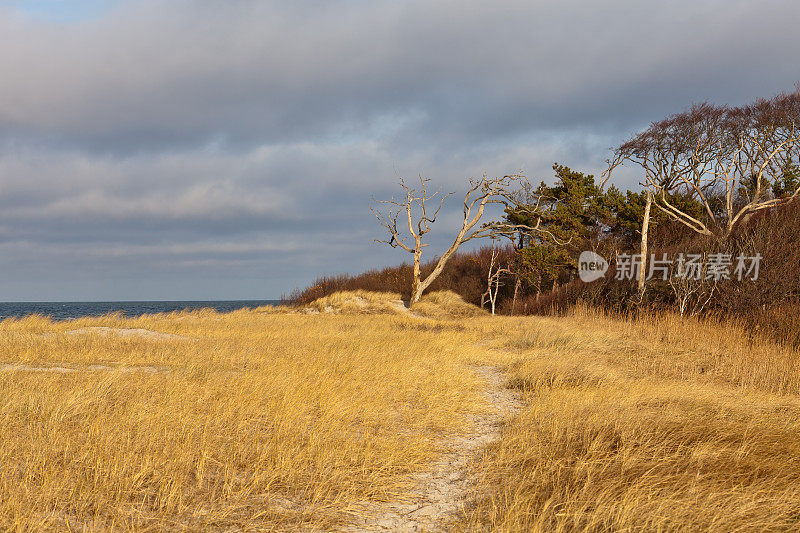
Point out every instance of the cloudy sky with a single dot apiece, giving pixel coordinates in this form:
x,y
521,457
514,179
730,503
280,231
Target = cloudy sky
x,y
176,149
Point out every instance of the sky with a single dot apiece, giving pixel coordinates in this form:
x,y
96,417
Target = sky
x,y
191,150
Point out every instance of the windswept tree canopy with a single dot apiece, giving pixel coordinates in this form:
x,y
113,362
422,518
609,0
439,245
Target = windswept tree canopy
x,y
733,160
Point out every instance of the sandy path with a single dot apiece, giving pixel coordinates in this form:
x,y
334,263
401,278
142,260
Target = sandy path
x,y
444,490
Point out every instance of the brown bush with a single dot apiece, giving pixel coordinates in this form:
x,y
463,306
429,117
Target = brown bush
x,y
769,304
465,274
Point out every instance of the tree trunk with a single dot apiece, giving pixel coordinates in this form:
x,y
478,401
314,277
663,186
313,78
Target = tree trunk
x,y
420,286
416,294
514,300
417,288
643,261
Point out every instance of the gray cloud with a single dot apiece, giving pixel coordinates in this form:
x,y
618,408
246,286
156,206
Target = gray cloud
x,y
242,140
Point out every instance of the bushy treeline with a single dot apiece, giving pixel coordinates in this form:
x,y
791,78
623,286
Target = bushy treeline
x,y
723,184
770,303
542,277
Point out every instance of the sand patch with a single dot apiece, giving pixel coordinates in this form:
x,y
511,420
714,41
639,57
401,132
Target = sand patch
x,y
127,332
60,369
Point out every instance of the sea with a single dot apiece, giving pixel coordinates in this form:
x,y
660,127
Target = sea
x,y
70,310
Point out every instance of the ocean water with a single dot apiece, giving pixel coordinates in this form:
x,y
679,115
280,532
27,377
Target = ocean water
x,y
68,310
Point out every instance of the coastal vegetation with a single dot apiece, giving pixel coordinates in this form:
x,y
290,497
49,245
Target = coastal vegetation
x,y
323,416
629,402
202,420
723,182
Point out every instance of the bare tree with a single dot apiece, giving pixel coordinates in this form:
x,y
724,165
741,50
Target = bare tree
x,y
692,289
419,209
493,281
725,159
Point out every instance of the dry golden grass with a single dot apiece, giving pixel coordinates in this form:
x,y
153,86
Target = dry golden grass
x,y
269,419
655,424
248,419
357,302
446,305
